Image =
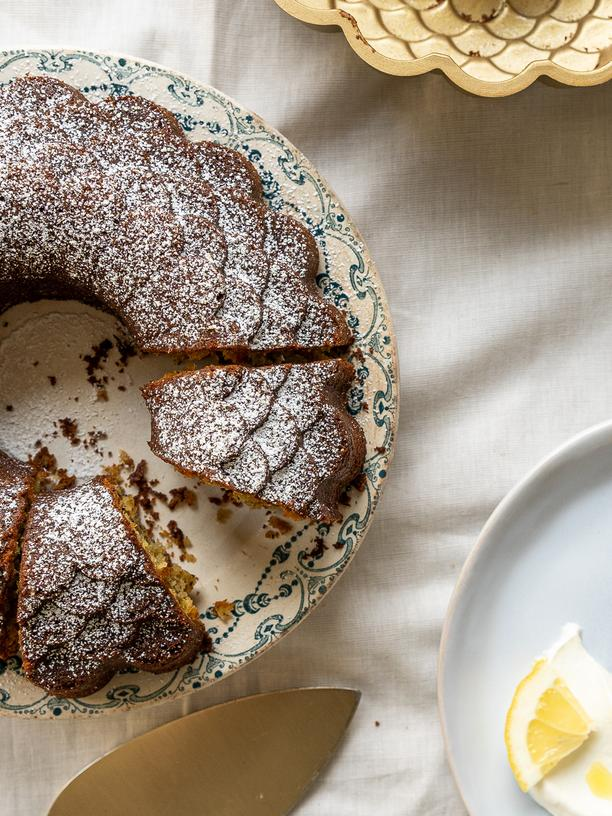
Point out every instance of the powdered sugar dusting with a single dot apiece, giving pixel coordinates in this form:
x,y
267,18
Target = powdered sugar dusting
x,y
15,479
84,212
280,433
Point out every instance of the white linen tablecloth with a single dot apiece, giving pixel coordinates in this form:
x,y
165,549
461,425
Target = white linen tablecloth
x,y
490,222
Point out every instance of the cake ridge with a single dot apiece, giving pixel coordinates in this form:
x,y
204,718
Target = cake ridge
x,y
268,229
16,489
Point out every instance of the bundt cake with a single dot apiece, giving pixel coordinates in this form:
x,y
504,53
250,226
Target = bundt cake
x,y
112,204
95,597
16,488
279,434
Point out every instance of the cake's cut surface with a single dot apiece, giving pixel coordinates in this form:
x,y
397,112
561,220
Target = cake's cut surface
x,y
280,433
113,205
92,601
16,486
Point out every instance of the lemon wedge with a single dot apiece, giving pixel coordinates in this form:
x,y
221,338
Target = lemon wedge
x,y
545,723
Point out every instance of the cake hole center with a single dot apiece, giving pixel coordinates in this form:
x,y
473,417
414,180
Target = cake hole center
x,y
69,381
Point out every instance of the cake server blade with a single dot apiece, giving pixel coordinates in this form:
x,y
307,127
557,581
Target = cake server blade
x,y
255,755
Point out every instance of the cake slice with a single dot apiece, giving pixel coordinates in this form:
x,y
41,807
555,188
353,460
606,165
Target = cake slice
x,y
16,487
277,434
96,596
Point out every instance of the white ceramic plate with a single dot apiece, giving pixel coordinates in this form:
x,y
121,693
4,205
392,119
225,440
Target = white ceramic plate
x,y
273,583
543,559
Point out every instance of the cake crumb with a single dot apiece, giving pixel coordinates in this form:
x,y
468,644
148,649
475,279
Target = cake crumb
x,y
280,524
180,496
69,429
126,459
48,475
91,441
52,379
64,479
113,472
146,496
224,610
95,360
127,474
223,514
317,551
176,537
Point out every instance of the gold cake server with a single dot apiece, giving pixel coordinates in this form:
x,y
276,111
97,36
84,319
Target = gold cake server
x,y
254,756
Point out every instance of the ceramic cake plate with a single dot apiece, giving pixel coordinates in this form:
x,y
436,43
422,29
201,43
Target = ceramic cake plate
x,y
542,560
486,47
258,577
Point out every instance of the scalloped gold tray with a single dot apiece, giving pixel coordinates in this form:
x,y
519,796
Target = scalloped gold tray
x,y
486,47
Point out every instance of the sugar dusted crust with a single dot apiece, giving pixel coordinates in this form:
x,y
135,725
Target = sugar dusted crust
x,y
280,434
112,204
91,601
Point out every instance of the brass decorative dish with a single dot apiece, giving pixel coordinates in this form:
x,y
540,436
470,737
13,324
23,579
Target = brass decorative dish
x,y
486,47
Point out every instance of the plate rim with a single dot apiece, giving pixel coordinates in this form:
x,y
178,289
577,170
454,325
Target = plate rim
x,y
547,69
545,466
392,350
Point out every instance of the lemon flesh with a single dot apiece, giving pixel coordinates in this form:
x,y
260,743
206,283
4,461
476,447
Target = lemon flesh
x,y
545,724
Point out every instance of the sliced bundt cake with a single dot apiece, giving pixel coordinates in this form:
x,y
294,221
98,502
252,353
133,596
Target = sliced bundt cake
x,y
279,434
96,596
110,203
